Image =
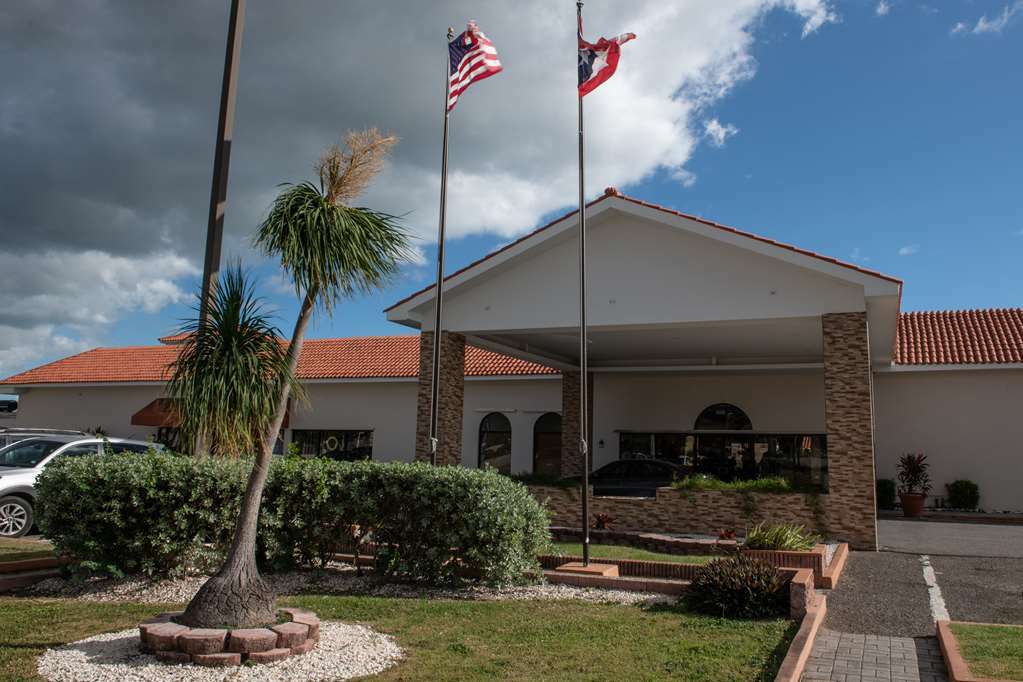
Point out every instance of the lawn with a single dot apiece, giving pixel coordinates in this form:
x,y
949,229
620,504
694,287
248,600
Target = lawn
x,y
992,651
471,640
16,549
619,552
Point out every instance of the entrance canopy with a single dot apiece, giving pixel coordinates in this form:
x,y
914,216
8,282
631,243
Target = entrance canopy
x,y
665,291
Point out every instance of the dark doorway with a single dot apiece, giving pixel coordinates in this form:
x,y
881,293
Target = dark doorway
x,y
547,445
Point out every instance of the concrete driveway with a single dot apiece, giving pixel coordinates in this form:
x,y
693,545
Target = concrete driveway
x,y
950,539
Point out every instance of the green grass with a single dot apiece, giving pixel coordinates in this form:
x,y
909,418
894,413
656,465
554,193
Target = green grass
x,y
619,552
992,651
758,485
471,640
16,549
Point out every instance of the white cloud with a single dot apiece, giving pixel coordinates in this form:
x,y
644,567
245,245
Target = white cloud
x,y
909,250
882,8
717,132
685,176
996,24
61,302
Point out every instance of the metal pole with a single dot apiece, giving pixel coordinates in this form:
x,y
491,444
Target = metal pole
x,y
222,156
583,379
439,296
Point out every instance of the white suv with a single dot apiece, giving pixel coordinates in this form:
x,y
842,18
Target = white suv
x,y
21,463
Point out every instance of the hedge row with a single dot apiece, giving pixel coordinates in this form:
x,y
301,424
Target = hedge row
x,y
168,515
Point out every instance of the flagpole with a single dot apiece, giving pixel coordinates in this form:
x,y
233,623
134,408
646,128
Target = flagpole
x,y
439,296
584,450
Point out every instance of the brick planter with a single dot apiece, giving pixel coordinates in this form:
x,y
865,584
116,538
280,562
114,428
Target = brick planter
x,y
296,634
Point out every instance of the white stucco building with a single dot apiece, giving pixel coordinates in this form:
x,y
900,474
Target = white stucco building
x,y
708,345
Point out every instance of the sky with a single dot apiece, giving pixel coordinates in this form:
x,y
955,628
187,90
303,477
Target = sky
x,y
884,133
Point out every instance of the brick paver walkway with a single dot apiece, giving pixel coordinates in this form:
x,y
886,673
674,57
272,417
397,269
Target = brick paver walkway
x,y
844,657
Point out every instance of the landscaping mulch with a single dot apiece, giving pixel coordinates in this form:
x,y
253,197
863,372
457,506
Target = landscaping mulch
x,y
881,593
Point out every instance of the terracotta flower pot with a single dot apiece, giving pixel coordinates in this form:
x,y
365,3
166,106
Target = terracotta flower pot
x,y
912,504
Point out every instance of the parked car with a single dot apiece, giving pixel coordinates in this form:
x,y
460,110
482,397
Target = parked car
x,y
8,405
21,462
13,434
634,477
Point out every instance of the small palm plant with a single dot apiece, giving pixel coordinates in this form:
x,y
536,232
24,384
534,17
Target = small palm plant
x,y
332,251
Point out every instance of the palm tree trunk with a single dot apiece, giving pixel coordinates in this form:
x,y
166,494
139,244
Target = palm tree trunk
x,y
237,595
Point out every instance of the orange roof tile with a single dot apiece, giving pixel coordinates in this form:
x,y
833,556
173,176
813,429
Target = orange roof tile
x,y
960,337
351,358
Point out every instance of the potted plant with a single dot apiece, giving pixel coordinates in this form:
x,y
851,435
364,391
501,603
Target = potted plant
x,y
914,483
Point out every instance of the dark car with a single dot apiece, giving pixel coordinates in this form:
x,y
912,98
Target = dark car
x,y
634,477
8,405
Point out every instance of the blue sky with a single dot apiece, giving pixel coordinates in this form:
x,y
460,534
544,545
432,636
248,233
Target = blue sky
x,y
889,139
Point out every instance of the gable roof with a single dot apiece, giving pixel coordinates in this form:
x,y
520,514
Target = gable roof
x,y
960,337
372,357
611,192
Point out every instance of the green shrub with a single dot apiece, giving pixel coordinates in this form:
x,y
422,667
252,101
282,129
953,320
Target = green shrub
x,y
165,515
770,484
963,494
739,586
885,493
546,479
783,537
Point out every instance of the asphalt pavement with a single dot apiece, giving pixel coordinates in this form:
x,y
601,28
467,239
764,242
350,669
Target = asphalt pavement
x,y
981,590
950,539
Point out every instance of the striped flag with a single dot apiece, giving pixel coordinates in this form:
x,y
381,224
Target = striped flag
x,y
473,58
598,61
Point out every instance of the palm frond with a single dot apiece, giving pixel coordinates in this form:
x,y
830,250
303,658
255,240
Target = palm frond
x,y
230,371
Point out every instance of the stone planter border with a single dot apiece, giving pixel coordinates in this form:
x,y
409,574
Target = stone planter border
x,y
171,642
794,663
826,574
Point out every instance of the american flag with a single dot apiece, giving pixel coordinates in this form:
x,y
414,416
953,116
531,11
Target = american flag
x,y
598,61
473,58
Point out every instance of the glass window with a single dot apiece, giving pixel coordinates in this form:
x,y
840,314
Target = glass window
x,y
134,448
79,450
495,443
28,453
345,445
668,447
547,445
634,446
723,417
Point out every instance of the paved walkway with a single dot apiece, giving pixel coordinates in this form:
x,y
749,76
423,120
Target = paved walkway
x,y
950,539
845,657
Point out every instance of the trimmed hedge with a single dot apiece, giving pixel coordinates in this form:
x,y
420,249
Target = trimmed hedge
x,y
167,515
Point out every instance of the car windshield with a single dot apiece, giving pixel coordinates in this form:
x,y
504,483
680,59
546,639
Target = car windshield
x,y
28,453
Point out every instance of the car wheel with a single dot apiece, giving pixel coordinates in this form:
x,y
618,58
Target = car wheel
x,y
16,517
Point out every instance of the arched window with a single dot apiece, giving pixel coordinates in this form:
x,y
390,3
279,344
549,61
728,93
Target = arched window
x,y
723,417
495,443
547,445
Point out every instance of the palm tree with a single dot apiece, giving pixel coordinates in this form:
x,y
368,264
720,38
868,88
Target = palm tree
x,y
225,383
331,251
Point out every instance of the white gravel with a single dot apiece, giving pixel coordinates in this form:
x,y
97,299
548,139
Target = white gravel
x,y
338,580
344,651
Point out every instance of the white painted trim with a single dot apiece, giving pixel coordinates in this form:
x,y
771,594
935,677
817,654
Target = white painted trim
x,y
358,380
342,380
514,377
898,369
714,368
485,410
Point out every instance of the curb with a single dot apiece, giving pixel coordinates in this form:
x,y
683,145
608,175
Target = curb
x,y
794,663
31,564
833,571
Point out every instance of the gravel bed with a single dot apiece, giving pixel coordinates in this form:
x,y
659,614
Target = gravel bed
x,y
344,651
333,581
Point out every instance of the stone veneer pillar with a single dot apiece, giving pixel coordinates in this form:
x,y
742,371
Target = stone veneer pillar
x,y
450,399
849,418
571,459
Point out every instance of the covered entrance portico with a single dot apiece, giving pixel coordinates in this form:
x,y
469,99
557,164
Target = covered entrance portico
x,y
728,353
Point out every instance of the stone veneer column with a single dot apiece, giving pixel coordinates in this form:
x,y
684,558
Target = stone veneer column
x,y
571,459
451,398
848,406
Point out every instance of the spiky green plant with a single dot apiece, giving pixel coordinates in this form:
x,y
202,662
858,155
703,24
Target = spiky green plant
x,y
331,251
230,370
789,537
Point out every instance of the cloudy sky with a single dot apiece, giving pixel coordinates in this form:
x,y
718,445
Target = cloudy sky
x,y
886,133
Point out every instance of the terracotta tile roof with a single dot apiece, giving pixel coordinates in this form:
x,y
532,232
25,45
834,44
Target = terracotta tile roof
x,y
352,358
960,337
612,192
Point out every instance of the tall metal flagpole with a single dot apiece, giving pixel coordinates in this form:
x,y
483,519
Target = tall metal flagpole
x,y
439,297
584,449
222,156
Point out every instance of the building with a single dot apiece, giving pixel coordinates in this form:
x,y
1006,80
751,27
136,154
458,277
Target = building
x,y
709,346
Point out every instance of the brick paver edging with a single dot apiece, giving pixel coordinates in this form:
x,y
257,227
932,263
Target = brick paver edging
x,y
653,542
958,668
32,564
794,663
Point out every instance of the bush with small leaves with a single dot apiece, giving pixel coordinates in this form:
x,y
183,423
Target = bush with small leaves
x,y
963,494
885,493
739,586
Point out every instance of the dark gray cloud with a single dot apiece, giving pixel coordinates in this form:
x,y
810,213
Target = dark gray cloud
x,y
108,115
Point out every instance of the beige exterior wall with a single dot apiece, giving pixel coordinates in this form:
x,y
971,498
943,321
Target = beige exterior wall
x,y
109,407
791,402
968,423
